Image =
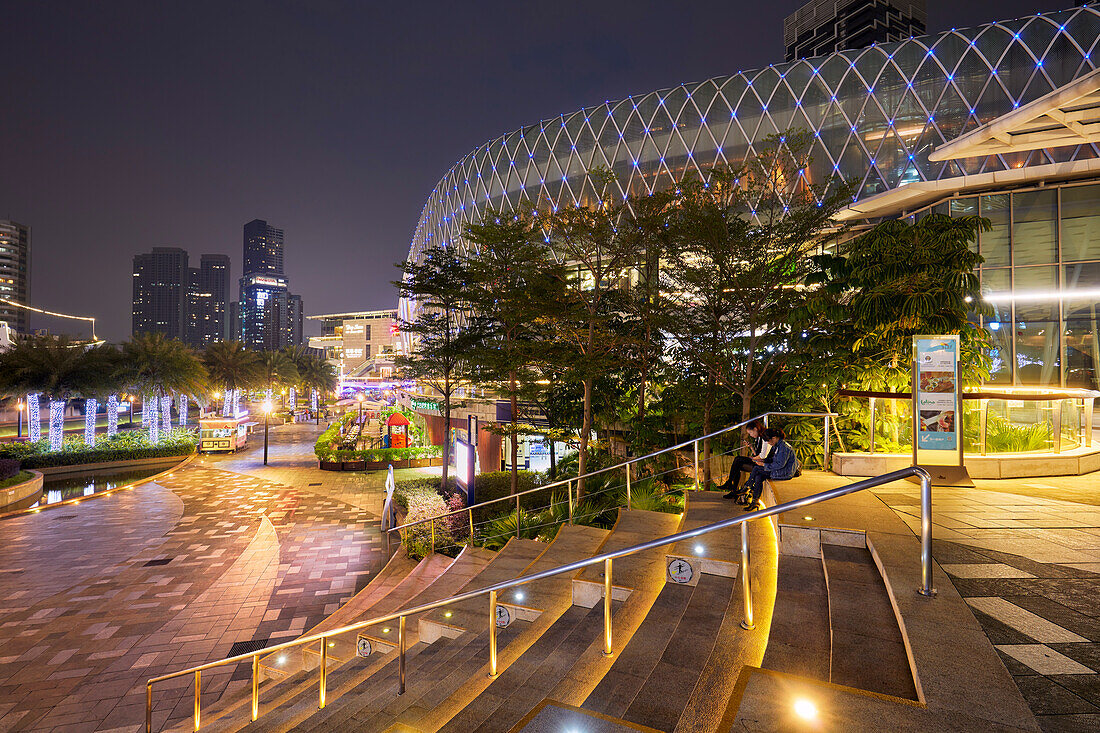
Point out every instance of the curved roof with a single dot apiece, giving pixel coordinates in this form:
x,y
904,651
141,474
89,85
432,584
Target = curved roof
x,y
876,114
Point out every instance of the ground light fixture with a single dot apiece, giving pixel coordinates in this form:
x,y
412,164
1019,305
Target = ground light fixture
x,y
805,709
267,414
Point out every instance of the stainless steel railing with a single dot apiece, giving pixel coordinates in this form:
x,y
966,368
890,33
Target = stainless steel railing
x,y
625,465
606,558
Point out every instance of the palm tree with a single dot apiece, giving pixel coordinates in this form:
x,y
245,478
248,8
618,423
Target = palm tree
x,y
231,366
55,367
275,367
153,364
317,373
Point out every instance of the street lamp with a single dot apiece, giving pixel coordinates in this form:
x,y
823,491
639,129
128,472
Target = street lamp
x,y
267,412
19,424
360,398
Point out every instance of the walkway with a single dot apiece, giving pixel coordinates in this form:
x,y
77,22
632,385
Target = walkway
x,y
225,553
1027,561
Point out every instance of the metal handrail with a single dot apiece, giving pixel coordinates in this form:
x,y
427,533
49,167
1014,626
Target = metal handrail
x,y
606,558
625,464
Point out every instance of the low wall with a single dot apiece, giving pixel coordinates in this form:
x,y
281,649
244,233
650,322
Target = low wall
x,y
18,493
993,466
80,469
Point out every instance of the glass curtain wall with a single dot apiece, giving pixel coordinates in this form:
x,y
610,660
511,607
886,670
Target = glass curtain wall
x,y
1041,277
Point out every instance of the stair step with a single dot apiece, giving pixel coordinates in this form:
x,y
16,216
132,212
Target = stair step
x,y
531,678
633,571
716,553
867,647
510,562
799,639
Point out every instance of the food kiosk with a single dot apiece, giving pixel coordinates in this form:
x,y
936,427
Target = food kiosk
x,y
223,434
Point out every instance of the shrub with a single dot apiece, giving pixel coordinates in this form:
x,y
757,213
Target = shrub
x,y
126,446
8,467
18,478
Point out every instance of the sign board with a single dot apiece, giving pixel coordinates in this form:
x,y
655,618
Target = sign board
x,y
362,646
680,571
422,403
465,464
937,402
504,616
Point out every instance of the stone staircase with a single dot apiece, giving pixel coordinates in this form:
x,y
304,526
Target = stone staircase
x,y
829,621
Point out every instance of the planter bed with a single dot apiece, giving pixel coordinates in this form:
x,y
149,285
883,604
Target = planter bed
x,y
78,468
379,465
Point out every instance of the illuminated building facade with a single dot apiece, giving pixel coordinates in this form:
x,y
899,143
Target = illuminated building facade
x,y
1000,116
360,344
268,316
15,273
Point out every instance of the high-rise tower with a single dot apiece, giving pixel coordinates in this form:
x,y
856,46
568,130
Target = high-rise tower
x,y
823,26
267,317
161,281
15,271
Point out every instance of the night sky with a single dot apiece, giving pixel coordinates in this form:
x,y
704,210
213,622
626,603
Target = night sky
x,y
129,125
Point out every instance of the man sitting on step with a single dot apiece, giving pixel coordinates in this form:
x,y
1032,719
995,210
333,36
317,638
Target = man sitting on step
x,y
780,465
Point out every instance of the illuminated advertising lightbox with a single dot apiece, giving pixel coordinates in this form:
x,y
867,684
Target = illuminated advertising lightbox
x,y
937,377
465,463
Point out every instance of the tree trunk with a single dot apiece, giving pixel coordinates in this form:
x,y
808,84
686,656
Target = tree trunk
x,y
708,409
446,433
514,447
586,428
553,461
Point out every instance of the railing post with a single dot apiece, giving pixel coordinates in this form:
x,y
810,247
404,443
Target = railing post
x,y
825,447
324,673
607,607
696,446
198,692
432,524
872,451
746,583
628,486
926,588
148,708
492,633
569,493
1056,421
255,687
1088,422
471,510
766,419
983,422
401,655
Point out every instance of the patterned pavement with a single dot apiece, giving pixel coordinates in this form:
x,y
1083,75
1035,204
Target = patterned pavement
x,y
1027,561
97,598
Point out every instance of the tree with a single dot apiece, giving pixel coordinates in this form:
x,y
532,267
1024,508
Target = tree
x,y
741,241
153,364
645,229
589,316
317,373
511,277
56,367
275,368
231,366
438,358
898,280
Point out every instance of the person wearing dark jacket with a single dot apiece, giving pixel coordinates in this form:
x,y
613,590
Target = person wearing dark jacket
x,y
780,465
744,463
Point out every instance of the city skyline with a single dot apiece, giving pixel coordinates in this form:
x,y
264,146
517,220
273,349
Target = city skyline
x,y
322,163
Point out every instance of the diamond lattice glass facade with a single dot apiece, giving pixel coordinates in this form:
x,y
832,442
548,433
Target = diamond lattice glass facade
x,y
875,114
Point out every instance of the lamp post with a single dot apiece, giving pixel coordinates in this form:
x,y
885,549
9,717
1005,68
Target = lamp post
x,y
360,398
267,412
19,421
284,396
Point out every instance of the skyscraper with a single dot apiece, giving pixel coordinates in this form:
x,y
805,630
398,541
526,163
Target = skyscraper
x,y
269,316
187,303
15,271
207,301
823,26
161,282
263,248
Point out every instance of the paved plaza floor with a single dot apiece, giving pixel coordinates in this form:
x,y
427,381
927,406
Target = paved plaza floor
x,y
98,597
1025,554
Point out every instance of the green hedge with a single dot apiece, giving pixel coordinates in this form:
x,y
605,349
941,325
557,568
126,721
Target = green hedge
x,y
382,455
128,446
16,479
